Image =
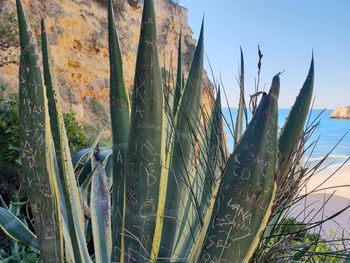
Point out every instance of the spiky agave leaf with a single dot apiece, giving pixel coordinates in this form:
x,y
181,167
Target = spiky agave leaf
x,y
291,137
239,118
293,128
172,100
244,199
209,173
16,229
72,206
186,127
145,174
84,158
120,119
78,157
215,153
196,175
15,208
179,83
87,171
192,216
100,205
36,147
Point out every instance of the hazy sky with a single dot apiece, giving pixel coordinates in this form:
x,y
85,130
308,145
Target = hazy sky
x,y
287,31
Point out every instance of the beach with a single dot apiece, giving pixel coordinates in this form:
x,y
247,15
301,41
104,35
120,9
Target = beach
x,y
338,183
327,196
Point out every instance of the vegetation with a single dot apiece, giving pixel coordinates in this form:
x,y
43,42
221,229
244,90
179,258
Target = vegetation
x,y
168,191
8,28
9,145
75,132
306,247
9,140
10,161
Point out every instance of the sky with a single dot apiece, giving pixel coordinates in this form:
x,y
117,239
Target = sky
x,y
287,32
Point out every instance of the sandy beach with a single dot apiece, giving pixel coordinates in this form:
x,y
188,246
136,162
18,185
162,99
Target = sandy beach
x,y
339,183
327,197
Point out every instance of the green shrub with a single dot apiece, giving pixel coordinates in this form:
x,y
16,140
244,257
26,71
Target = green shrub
x,y
9,141
9,145
24,255
302,243
75,132
9,133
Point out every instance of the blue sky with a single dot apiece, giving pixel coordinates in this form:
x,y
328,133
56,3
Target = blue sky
x,y
287,32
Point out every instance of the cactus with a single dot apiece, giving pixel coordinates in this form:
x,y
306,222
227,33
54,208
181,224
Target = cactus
x,y
170,198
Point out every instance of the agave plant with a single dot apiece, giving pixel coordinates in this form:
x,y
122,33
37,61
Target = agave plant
x,y
167,191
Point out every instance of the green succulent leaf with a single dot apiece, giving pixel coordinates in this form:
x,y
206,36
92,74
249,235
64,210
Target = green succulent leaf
x,y
100,205
87,170
179,83
73,211
79,156
15,228
208,173
186,128
120,119
292,131
290,139
36,147
145,174
244,199
239,119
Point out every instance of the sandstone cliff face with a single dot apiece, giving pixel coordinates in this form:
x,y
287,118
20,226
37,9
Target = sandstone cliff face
x,y
341,113
77,32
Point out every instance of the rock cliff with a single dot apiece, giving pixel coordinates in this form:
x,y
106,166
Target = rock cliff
x,y
77,32
341,113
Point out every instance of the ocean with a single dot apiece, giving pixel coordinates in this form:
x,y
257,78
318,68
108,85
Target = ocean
x,y
328,133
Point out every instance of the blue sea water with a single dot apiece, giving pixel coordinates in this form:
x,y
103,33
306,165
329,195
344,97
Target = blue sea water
x,y
328,134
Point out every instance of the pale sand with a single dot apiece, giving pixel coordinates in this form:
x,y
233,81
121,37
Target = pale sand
x,y
330,198
339,183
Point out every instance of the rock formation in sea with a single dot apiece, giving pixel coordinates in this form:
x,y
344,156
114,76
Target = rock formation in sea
x,y
341,113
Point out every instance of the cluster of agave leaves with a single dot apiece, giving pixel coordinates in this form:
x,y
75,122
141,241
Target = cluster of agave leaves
x,y
168,191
